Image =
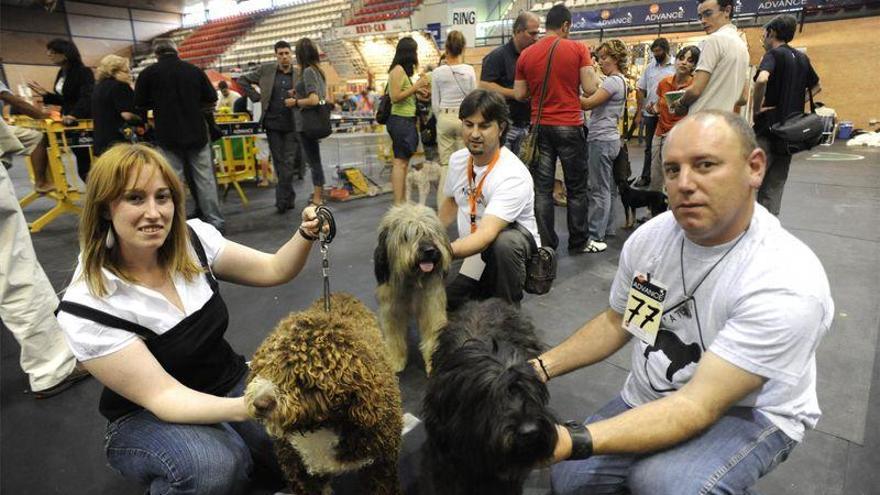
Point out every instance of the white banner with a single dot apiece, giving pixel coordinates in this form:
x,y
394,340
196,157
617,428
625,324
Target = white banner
x,y
464,20
384,27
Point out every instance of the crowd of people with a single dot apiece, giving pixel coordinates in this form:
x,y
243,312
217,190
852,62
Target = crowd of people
x,y
740,304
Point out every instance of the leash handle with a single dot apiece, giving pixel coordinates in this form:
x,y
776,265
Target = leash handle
x,y
326,218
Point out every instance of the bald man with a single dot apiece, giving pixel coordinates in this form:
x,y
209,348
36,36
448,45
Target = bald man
x,y
725,309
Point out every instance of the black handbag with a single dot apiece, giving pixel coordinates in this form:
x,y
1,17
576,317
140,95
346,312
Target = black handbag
x,y
528,150
316,120
799,131
383,110
540,267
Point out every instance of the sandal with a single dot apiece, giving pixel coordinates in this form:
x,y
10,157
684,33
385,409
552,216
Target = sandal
x,y
595,247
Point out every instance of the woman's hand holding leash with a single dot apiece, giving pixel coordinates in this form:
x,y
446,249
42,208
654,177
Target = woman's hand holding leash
x,y
317,220
308,229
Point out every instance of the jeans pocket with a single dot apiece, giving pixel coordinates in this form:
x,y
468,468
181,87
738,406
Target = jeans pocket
x,y
782,455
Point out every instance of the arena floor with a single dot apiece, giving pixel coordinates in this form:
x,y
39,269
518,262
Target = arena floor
x,y
832,203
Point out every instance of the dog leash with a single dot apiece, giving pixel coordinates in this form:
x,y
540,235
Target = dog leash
x,y
325,217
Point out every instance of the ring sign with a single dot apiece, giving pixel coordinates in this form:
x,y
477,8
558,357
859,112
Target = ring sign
x,y
464,20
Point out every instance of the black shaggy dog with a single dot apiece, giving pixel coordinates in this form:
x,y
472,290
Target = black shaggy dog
x,y
633,199
485,410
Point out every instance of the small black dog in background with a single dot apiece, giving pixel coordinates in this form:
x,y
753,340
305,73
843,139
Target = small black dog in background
x,y
633,199
485,410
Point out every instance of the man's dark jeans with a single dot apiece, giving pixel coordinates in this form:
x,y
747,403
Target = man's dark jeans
x,y
284,146
650,128
568,144
778,164
503,276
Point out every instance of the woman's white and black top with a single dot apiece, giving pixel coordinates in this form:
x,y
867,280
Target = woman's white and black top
x,y
189,345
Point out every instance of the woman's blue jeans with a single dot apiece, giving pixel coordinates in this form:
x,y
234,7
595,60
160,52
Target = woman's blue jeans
x,y
176,459
603,191
728,458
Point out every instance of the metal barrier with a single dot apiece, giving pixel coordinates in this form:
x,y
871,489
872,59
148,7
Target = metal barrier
x,y
238,149
60,139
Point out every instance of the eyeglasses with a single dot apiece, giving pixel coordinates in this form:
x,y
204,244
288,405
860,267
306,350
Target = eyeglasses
x,y
705,14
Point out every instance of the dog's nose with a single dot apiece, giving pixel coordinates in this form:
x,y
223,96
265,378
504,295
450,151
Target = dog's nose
x,y
430,251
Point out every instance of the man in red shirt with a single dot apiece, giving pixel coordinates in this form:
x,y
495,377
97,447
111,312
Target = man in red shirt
x,y
561,131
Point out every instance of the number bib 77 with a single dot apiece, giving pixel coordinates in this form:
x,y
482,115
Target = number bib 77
x,y
644,307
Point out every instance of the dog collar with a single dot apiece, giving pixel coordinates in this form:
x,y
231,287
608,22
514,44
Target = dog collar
x,y
581,441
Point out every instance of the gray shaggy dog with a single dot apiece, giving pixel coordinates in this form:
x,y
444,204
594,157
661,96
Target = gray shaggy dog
x,y
411,263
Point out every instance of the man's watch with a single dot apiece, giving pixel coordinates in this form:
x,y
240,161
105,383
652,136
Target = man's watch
x,y
581,440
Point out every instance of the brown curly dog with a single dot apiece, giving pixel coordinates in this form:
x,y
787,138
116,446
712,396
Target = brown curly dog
x,y
322,386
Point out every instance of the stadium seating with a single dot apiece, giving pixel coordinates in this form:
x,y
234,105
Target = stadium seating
x,y
383,10
309,20
209,40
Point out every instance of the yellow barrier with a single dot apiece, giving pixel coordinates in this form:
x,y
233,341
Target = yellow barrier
x,y
65,195
234,167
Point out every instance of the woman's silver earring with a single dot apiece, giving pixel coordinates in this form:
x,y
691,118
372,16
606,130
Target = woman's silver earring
x,y
110,241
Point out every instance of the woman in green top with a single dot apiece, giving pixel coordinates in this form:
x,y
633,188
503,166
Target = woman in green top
x,y
401,124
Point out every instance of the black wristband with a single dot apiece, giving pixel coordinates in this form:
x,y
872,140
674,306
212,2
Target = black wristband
x,y
581,441
305,235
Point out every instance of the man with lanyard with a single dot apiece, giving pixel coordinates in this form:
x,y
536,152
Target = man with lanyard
x,y
491,194
727,308
499,70
276,80
646,97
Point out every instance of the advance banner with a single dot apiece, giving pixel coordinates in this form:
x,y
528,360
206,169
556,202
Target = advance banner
x,y
635,15
686,11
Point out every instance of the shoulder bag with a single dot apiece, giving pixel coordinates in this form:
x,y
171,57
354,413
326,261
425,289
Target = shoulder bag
x,y
540,266
383,112
799,131
528,150
316,119
383,109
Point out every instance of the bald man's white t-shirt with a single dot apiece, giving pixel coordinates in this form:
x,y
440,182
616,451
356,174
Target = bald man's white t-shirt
x,y
764,309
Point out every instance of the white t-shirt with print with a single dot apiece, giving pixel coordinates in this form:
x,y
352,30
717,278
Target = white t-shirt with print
x,y
135,303
764,309
508,192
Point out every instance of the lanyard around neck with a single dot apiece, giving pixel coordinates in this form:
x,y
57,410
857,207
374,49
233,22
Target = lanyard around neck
x,y
690,294
474,192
